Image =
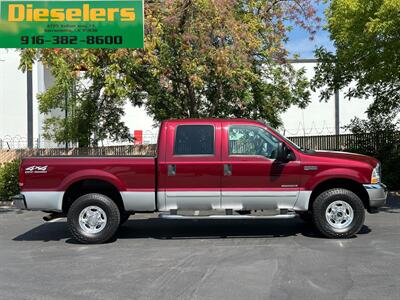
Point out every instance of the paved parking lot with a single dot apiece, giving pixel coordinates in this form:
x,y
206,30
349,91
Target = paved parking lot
x,y
164,259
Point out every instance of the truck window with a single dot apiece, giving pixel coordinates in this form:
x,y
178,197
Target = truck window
x,y
194,140
252,140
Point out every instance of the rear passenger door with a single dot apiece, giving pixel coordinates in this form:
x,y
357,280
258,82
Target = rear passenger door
x,y
191,173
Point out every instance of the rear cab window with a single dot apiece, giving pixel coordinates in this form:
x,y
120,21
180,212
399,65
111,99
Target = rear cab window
x,y
194,140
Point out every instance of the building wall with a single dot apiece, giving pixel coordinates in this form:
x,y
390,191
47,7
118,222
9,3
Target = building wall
x,y
13,105
318,118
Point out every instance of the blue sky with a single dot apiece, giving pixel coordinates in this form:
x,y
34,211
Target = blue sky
x,y
299,40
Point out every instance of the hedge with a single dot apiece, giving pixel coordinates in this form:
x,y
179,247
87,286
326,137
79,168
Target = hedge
x,y
9,180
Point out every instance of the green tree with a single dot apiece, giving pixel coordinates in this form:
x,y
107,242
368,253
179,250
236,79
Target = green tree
x,y
220,58
366,35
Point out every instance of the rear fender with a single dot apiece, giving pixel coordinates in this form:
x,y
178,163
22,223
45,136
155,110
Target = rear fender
x,y
92,174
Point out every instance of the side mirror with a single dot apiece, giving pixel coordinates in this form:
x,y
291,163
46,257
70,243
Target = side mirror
x,y
284,153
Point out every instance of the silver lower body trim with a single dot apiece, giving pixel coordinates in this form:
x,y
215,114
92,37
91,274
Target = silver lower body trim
x,y
139,201
303,201
188,200
49,201
254,200
236,200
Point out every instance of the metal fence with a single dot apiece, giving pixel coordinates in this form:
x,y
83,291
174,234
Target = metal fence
x,y
369,142
130,150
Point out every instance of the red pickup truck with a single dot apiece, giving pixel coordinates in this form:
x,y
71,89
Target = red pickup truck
x,y
211,168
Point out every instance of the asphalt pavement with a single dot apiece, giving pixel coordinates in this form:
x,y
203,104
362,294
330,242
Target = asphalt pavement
x,y
207,259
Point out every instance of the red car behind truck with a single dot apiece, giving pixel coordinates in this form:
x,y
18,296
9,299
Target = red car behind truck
x,y
206,169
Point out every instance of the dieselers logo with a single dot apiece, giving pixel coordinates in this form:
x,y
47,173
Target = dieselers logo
x,y
28,13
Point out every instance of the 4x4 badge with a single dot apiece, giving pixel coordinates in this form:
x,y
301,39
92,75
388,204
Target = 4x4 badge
x,y
36,170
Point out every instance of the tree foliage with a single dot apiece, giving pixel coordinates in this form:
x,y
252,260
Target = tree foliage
x,y
219,58
384,131
367,39
9,179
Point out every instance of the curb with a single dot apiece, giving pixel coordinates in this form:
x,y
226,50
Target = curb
x,y
6,204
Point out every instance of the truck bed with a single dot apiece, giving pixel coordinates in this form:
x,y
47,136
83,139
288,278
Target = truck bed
x,y
57,173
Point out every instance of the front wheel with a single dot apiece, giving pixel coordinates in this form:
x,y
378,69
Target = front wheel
x,y
338,213
93,219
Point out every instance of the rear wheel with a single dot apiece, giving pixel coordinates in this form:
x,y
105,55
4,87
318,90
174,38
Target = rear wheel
x,y
338,213
93,219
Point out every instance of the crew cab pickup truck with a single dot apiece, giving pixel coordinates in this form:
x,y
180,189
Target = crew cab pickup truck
x,y
212,168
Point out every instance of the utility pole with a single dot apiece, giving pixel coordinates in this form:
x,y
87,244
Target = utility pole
x,y
337,113
337,119
29,97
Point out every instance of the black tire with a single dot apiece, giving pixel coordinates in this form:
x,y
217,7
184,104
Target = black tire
x,y
111,211
124,218
323,201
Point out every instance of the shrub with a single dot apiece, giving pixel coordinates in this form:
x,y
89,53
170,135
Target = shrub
x,y
9,179
379,136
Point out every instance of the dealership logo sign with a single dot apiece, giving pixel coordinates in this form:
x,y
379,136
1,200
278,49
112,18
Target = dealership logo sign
x,y
71,24
29,13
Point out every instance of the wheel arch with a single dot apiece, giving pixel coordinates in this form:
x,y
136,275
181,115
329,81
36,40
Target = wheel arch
x,y
91,174
90,185
344,183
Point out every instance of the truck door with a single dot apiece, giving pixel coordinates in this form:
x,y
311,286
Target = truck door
x,y
191,172
253,179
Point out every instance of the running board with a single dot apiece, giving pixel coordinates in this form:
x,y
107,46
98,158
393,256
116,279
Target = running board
x,y
180,217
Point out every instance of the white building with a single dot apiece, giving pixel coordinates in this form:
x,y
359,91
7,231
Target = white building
x,y
13,100
317,119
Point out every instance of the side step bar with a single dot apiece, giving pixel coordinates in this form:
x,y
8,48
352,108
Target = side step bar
x,y
180,217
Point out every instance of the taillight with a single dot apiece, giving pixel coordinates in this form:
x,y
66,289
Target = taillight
x,y
21,177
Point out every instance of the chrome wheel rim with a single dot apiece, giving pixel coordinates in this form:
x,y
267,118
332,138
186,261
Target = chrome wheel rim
x,y
92,219
339,214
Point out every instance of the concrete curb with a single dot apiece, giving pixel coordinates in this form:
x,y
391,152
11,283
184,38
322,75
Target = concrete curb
x,y
6,204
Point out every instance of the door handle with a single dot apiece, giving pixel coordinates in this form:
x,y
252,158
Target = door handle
x,y
171,170
228,170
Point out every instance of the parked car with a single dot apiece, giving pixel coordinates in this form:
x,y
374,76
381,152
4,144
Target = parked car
x,y
212,168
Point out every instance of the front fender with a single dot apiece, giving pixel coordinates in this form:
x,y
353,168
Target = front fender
x,y
335,173
91,174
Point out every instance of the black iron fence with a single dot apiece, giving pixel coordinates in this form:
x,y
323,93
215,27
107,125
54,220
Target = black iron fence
x,y
384,146
365,142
